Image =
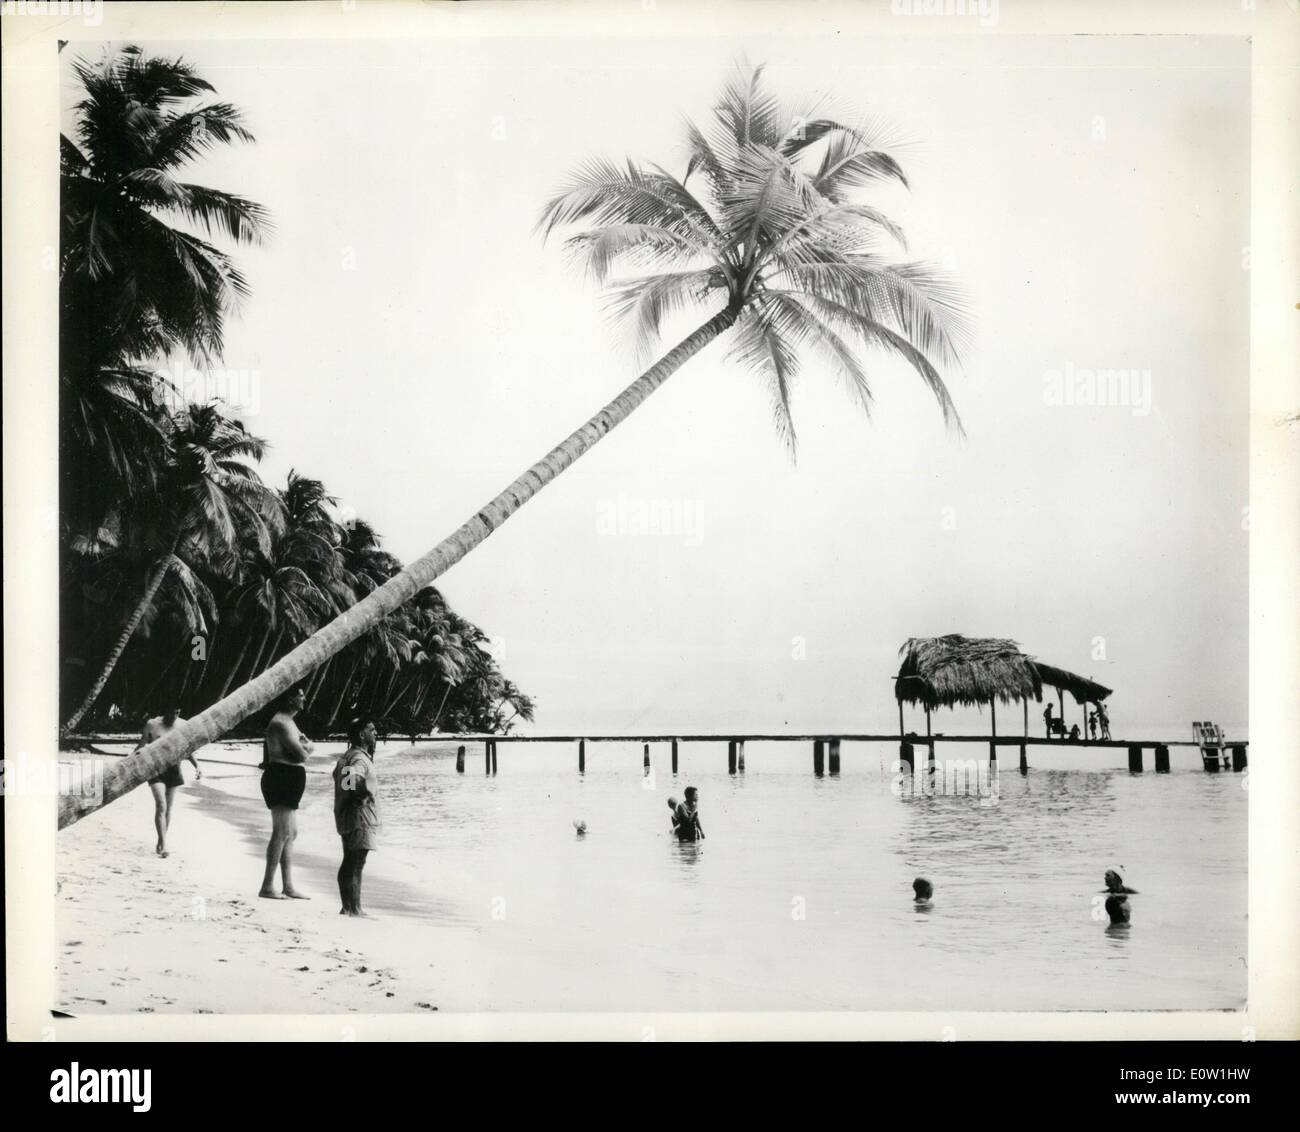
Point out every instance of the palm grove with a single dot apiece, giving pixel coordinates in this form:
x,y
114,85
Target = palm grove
x,y
764,241
182,573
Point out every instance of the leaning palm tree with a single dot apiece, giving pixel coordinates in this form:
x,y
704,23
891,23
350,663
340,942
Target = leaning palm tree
x,y
764,236
208,499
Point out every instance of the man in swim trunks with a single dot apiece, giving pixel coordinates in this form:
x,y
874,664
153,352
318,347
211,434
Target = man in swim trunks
x,y
164,786
686,822
356,816
284,778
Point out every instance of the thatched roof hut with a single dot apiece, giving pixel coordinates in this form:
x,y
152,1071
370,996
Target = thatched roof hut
x,y
951,670
1083,690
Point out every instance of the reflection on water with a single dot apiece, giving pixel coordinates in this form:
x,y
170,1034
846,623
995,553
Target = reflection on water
x,y
801,898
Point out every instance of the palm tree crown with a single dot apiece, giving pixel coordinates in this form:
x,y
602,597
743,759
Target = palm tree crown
x,y
772,231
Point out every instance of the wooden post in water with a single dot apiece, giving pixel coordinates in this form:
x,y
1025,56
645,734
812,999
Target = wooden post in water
x,y
1135,759
1162,759
460,760
908,756
740,755
582,756
731,756
487,756
930,737
1239,757
1024,760
834,760
645,758
993,744
494,756
819,758
674,756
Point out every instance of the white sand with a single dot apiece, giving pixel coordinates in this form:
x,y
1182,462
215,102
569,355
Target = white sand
x,y
140,934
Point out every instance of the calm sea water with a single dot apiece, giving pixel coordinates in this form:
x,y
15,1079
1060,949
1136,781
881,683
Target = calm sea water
x,y
801,898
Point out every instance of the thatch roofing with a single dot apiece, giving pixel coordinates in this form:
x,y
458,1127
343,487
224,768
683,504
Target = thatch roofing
x,y
1081,688
951,670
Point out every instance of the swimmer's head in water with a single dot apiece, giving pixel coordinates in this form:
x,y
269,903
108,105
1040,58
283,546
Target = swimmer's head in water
x,y
923,888
672,803
1114,882
691,794
1117,909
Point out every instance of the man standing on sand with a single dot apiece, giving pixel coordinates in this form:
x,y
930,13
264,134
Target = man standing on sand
x,y
164,786
356,816
284,778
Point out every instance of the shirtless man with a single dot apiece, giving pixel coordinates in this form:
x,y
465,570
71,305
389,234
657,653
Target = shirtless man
x,y
686,821
284,778
164,786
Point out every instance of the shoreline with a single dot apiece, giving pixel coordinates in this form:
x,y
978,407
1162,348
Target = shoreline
x,y
219,947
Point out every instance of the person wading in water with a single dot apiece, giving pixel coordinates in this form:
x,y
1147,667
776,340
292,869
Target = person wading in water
x,y
284,778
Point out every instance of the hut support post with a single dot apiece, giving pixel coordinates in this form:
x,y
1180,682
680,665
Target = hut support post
x,y
819,757
674,756
460,760
929,735
993,739
834,760
1060,709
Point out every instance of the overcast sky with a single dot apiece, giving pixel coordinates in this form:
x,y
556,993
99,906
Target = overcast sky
x,y
416,346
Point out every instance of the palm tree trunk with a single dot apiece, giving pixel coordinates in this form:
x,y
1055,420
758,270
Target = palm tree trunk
x,y
217,720
124,637
343,691
239,660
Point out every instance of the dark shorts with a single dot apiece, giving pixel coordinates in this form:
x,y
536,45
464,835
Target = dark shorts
x,y
170,777
283,785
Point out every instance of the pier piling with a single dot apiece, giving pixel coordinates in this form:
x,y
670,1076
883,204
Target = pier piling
x,y
731,756
834,767
460,760
906,753
1238,757
819,757
582,756
1135,759
674,756
494,756
645,758
487,756
740,755
1162,758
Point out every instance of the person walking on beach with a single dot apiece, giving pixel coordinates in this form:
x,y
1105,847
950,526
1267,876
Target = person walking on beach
x,y
686,821
164,786
356,816
284,778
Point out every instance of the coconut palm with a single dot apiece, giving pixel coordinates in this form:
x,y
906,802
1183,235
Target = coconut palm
x,y
765,238
136,281
208,499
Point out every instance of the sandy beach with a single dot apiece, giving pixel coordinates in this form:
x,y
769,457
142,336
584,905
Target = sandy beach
x,y
213,946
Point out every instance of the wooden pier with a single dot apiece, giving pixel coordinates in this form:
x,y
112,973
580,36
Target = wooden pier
x,y
826,747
